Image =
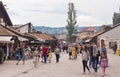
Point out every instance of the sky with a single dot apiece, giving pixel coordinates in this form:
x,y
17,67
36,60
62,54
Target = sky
x,y
53,13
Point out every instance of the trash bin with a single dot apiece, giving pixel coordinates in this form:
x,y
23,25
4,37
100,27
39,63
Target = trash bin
x,y
118,52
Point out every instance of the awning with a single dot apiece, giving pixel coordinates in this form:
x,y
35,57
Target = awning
x,y
6,39
40,39
88,40
22,39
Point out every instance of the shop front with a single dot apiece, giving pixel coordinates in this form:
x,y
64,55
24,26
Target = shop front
x,y
6,46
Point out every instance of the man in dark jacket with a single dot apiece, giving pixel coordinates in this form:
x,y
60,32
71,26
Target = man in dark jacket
x,y
115,48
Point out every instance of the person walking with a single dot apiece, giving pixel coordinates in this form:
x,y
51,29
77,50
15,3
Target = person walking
x,y
57,53
85,58
70,51
95,58
35,60
115,48
103,62
49,55
104,50
74,52
21,52
90,49
44,53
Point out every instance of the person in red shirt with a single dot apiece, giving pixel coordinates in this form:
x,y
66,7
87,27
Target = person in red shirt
x,y
44,53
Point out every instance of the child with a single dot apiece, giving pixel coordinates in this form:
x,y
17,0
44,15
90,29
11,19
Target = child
x,y
103,60
74,53
49,56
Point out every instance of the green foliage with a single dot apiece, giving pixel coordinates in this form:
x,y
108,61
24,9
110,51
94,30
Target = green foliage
x,y
116,18
71,22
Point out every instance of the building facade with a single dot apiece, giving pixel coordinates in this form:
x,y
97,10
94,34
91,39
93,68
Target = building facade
x,y
110,37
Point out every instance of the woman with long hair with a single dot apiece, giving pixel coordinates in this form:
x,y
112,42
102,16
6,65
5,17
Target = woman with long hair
x,y
57,53
85,58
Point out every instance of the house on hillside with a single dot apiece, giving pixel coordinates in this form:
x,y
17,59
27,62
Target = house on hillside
x,y
4,17
86,33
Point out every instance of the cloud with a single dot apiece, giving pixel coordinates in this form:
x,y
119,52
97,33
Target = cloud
x,y
13,13
54,12
85,20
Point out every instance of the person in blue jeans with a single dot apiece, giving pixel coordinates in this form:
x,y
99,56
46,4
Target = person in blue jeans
x,y
94,64
90,49
95,58
21,55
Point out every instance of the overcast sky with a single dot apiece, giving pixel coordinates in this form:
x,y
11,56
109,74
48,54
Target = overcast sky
x,y
54,12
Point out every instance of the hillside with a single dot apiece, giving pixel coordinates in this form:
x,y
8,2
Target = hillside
x,y
57,31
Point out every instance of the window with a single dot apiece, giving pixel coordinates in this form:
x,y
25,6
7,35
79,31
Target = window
x,y
111,44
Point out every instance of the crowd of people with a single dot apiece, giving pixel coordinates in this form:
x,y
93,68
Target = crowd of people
x,y
41,53
91,55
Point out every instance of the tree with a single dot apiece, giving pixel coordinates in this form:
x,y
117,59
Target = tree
x,y
116,18
71,22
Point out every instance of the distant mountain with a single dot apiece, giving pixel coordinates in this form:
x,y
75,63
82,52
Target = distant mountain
x,y
57,30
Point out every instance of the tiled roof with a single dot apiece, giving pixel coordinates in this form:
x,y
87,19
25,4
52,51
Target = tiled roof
x,y
101,32
7,31
97,34
19,26
14,31
39,35
4,31
88,29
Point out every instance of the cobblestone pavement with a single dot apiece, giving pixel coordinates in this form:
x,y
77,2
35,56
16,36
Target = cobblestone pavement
x,y
65,68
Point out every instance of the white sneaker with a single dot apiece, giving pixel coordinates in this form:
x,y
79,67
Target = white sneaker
x,y
95,74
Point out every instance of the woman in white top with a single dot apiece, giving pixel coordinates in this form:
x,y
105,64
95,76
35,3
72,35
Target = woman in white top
x,y
57,53
85,57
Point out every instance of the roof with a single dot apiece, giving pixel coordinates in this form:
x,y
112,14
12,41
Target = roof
x,y
88,29
20,26
4,14
104,31
41,36
7,31
4,31
62,37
